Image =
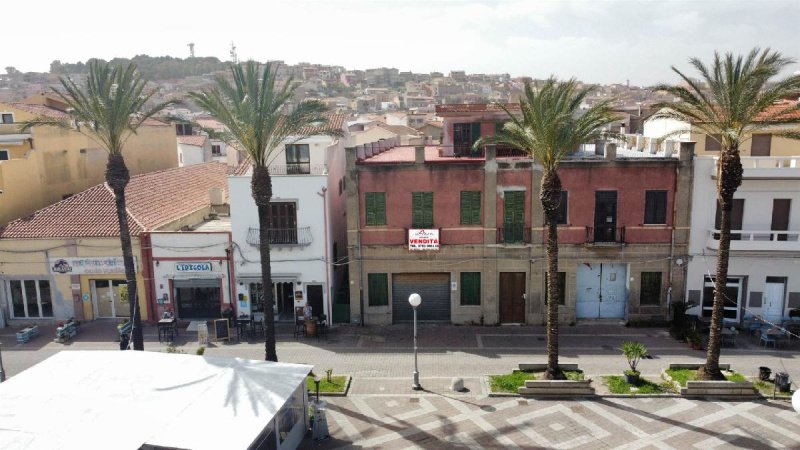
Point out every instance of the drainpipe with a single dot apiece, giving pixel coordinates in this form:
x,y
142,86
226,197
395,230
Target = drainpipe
x,y
327,260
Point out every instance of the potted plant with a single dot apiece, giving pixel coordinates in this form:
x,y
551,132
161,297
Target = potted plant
x,y
634,352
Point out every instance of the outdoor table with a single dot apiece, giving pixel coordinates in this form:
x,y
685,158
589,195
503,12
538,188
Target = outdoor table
x,y
167,328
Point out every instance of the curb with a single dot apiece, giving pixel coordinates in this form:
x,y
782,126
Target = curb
x,y
339,394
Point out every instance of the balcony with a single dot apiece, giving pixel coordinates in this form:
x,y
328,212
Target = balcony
x,y
281,236
767,167
515,234
749,240
605,236
298,169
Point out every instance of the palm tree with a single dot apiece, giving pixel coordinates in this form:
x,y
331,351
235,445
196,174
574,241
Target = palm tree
x,y
736,99
549,127
109,108
254,109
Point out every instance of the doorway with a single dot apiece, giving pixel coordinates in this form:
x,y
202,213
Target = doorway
x,y
198,299
109,298
602,291
283,293
315,299
774,296
512,297
605,216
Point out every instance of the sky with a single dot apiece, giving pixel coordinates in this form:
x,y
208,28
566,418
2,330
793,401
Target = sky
x,y
598,41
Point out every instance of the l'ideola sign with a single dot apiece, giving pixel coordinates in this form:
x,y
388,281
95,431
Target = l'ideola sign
x,y
423,239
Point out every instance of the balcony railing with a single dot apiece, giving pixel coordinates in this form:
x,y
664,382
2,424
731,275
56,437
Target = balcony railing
x,y
743,240
605,236
281,236
515,234
766,167
298,169
466,151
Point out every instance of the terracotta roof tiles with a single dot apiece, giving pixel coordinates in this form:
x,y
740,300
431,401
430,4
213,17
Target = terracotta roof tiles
x,y
197,140
474,107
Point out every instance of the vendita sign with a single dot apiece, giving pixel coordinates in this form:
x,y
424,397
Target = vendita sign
x,y
425,240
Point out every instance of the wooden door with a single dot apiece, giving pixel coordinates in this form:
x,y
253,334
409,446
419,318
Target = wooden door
x,y
512,297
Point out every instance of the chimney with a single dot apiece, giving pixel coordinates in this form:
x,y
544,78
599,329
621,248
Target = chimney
x,y
611,151
686,152
419,154
216,196
622,128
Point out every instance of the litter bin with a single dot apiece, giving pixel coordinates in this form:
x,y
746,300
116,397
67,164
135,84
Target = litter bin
x,y
782,381
764,373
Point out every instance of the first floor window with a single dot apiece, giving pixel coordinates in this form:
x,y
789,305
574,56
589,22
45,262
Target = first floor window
x,y
562,288
470,288
216,150
30,298
655,207
422,209
561,216
470,207
650,293
375,208
6,118
732,296
3,155
378,286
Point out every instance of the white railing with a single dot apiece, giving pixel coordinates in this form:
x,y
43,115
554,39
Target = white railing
x,y
758,240
766,167
298,169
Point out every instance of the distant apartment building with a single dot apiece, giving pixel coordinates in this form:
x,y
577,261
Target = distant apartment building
x,y
44,165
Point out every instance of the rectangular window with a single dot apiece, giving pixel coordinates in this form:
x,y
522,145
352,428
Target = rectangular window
x,y
470,288
650,292
655,207
183,129
6,118
761,145
514,217
375,208
737,217
713,142
780,217
470,207
562,288
3,155
216,150
298,160
464,135
731,299
378,286
563,205
422,210
30,298
282,223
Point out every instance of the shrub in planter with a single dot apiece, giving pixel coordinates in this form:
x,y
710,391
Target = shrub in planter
x,y
634,352
695,340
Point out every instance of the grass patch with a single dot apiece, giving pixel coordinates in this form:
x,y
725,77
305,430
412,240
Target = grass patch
x,y
510,382
617,385
682,375
735,376
768,387
337,385
574,375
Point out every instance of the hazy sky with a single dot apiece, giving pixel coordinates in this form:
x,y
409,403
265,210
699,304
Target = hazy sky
x,y
594,40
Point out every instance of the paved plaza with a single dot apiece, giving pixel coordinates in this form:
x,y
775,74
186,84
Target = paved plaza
x,y
381,411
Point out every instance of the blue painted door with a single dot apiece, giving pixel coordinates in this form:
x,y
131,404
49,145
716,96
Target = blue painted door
x,y
602,291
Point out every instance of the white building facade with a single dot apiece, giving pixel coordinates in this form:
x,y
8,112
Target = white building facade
x,y
764,264
307,228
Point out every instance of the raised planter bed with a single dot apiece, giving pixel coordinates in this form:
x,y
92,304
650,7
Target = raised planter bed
x,y
26,334
550,388
697,388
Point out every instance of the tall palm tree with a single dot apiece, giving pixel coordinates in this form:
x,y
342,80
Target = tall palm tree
x,y
254,108
550,126
109,108
734,99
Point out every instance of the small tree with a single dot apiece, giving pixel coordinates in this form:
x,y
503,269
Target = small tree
x,y
634,352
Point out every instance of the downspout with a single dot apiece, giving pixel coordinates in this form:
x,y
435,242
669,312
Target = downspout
x,y
326,222
146,243
231,281
672,236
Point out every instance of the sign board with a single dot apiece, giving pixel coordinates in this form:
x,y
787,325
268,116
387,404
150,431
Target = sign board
x,y
89,266
76,287
221,330
193,267
424,240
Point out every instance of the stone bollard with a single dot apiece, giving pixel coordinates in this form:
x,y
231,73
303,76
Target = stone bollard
x,y
457,385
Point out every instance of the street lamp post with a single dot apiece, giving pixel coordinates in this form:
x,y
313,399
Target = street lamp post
x,y
415,300
2,371
316,382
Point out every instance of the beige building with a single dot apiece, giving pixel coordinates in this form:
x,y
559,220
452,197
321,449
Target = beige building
x,y
45,164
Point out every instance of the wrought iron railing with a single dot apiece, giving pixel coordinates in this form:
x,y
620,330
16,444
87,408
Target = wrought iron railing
x,y
605,235
514,234
281,236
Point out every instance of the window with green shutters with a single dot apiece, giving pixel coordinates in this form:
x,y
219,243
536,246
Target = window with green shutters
x,y
470,207
378,286
375,205
514,216
470,288
422,210
562,288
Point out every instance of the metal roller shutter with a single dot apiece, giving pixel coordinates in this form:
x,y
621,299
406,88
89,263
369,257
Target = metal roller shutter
x,y
434,288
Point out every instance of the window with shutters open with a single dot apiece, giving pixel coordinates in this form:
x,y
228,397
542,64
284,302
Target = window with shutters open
x,y
470,288
422,210
375,207
655,207
470,207
378,286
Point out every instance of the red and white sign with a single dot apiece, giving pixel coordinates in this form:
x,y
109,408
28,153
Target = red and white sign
x,y
423,239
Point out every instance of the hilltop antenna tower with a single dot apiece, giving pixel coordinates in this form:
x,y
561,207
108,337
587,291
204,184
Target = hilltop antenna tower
x,y
234,57
191,49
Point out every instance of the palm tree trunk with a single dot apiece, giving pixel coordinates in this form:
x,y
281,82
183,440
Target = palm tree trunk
x,y
262,193
729,178
550,197
117,177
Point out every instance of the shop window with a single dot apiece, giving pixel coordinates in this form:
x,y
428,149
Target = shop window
x,y
30,298
378,285
470,288
650,292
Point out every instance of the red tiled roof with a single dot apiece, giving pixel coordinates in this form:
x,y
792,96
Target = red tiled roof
x,y
793,114
153,200
474,107
335,122
197,140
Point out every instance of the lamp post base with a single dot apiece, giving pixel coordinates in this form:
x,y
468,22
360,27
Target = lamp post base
x,y
416,386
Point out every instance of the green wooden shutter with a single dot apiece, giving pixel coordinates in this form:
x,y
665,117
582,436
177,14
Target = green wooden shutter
x,y
378,284
375,205
416,210
470,288
514,216
380,209
427,208
475,134
369,207
470,207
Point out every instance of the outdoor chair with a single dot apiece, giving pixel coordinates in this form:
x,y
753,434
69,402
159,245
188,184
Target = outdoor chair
x,y
766,339
299,326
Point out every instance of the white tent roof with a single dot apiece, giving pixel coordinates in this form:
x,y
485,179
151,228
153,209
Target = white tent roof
x,y
122,400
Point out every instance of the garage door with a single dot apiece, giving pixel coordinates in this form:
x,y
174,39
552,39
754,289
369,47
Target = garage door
x,y
434,288
601,291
